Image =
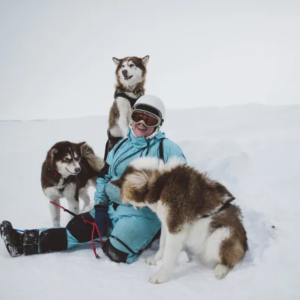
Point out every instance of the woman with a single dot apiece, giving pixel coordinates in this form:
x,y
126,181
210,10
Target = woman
x,y
128,231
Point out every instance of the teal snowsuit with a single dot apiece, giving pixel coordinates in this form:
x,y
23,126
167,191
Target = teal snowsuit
x,y
135,228
132,230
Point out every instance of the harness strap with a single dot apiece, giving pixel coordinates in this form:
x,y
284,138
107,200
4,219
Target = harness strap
x,y
224,206
65,184
120,145
106,150
121,242
161,150
111,139
130,99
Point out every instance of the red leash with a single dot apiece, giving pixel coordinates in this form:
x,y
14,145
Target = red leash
x,y
86,222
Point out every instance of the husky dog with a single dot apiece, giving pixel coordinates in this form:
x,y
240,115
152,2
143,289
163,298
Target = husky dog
x,y
67,172
195,212
131,74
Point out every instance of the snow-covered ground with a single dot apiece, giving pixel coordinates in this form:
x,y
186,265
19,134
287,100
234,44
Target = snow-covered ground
x,y
253,149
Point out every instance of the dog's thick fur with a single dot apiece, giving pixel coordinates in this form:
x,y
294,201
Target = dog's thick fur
x,y
131,76
67,172
194,211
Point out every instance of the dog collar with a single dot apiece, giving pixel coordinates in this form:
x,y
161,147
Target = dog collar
x,y
53,172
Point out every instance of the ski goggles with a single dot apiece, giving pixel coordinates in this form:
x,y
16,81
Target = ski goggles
x,y
145,117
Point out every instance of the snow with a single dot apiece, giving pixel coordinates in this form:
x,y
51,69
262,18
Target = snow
x,y
253,149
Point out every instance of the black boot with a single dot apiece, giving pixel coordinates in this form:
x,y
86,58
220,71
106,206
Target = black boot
x,y
12,239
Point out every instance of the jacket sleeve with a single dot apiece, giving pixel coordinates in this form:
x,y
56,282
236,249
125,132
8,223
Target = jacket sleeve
x,y
172,149
100,196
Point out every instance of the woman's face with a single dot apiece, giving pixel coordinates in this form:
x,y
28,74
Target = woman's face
x,y
140,129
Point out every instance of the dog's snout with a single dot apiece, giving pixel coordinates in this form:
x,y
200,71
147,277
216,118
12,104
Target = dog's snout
x,y
125,72
77,170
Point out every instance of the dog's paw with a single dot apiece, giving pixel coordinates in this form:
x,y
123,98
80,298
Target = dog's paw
x,y
151,261
221,271
158,277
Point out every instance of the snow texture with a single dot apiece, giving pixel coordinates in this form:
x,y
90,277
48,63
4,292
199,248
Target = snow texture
x,y
252,149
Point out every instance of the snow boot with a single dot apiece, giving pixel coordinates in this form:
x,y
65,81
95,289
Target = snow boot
x,y
12,238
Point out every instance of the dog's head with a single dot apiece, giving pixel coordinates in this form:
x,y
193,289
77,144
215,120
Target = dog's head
x,y
131,71
137,181
65,158
141,183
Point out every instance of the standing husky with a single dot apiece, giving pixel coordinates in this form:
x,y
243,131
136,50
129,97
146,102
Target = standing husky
x,y
195,212
67,172
131,74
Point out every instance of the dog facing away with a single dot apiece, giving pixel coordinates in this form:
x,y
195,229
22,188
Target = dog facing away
x,y
67,172
195,212
131,76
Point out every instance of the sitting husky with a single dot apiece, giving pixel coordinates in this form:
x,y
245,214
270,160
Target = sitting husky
x,y
195,212
131,74
67,172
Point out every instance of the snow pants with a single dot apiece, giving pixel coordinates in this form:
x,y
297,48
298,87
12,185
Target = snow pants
x,y
131,232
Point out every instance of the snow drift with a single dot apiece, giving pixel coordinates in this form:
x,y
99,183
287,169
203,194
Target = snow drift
x,y
252,149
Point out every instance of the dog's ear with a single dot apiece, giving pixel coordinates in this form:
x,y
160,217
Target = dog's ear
x,y
82,147
224,193
116,60
118,183
52,152
85,149
145,60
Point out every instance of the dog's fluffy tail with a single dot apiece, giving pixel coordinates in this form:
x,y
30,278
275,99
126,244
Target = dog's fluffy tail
x,y
94,161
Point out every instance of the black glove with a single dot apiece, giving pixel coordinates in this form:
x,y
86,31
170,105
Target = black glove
x,y
102,219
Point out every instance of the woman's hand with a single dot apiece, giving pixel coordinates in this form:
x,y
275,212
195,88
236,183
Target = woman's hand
x,y
102,219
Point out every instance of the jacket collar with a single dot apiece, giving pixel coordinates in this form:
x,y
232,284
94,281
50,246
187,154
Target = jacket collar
x,y
142,142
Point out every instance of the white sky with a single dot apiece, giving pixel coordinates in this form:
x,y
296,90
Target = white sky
x,y
55,56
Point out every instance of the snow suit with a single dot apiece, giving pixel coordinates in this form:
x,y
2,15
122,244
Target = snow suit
x,y
131,230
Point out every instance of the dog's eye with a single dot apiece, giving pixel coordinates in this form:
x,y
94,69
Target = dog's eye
x,y
123,66
77,158
131,65
67,159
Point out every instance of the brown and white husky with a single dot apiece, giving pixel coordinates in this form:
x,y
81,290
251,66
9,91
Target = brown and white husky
x,y
131,76
196,214
67,172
